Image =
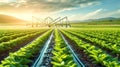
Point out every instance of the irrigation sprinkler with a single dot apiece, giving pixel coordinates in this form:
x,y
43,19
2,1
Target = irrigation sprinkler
x,y
62,22
50,22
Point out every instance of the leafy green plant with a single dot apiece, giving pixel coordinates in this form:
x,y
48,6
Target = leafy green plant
x,y
98,55
21,57
61,55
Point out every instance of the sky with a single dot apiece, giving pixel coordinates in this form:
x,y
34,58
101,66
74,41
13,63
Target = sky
x,y
73,9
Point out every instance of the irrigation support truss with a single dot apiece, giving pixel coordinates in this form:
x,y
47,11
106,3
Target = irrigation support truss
x,y
75,57
50,22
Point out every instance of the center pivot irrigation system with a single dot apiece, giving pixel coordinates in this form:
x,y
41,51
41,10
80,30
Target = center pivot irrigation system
x,y
50,22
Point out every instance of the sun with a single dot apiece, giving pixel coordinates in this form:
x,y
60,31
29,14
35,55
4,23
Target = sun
x,y
4,1
7,1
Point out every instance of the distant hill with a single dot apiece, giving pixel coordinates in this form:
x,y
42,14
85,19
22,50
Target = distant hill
x,y
103,19
108,18
10,20
100,21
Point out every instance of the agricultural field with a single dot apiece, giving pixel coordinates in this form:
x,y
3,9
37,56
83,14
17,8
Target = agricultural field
x,y
60,47
59,33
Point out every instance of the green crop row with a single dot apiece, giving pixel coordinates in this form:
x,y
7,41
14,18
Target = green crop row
x,y
109,36
14,36
61,54
21,57
20,40
15,31
99,56
104,44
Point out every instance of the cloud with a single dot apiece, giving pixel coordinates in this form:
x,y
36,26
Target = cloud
x,y
99,13
43,5
107,13
89,4
114,13
89,15
92,14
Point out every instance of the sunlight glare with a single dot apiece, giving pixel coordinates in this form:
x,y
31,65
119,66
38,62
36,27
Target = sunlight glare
x,y
4,1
